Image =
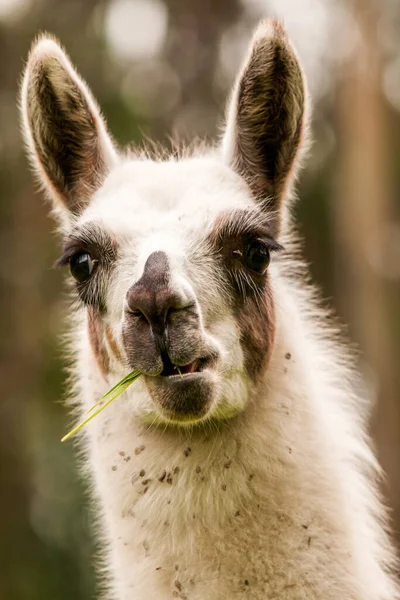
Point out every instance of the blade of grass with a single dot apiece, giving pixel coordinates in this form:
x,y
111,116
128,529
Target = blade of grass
x,y
131,378
109,397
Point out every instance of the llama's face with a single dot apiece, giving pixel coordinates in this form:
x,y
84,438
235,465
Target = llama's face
x,y
171,258
180,278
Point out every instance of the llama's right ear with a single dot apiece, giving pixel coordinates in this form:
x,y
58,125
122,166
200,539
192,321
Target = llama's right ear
x,y
266,119
69,146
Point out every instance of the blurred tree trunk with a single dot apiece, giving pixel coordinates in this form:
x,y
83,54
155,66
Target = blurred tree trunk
x,y
192,49
362,208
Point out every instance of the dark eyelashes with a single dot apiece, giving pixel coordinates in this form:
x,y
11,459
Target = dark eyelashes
x,y
272,245
241,227
105,256
90,291
92,239
66,257
231,244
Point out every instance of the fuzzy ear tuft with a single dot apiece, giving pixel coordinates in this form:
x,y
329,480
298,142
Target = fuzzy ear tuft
x,y
266,118
66,137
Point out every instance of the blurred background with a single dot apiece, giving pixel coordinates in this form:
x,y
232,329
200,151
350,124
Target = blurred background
x,y
165,66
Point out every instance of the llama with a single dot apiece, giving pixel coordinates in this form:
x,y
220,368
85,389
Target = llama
x,y
250,476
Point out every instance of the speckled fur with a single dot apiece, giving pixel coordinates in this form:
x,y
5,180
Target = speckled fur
x,y
277,502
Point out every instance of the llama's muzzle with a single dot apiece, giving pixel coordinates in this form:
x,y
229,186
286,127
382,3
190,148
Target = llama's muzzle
x,y
164,340
161,323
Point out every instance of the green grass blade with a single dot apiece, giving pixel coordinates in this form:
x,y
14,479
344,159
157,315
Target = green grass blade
x,y
104,402
98,411
131,378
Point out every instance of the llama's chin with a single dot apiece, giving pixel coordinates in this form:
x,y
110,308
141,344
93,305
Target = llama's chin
x,y
184,399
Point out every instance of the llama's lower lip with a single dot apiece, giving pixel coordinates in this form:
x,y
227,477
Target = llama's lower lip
x,y
184,398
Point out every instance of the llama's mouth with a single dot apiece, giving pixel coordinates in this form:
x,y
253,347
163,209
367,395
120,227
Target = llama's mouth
x,y
184,395
172,370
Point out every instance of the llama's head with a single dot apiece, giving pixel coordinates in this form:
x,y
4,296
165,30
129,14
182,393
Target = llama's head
x,y
170,256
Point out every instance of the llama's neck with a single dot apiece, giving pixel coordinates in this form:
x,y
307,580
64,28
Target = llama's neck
x,y
257,505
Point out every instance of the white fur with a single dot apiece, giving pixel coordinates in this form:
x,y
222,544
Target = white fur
x,y
278,502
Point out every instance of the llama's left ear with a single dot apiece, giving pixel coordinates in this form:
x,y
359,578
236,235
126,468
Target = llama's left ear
x,y
69,146
266,118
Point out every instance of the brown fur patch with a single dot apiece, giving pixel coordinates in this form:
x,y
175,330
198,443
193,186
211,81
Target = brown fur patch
x,y
113,344
96,337
251,298
256,321
232,226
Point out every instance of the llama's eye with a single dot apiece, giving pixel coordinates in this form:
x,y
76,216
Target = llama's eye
x,y
81,266
256,256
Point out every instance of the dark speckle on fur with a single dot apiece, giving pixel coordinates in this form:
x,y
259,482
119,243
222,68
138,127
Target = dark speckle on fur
x,y
198,469
288,356
163,476
113,468
187,451
142,473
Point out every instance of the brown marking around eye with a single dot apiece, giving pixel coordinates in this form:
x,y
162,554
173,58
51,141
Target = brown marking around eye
x,y
96,337
252,307
235,224
256,320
